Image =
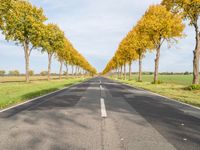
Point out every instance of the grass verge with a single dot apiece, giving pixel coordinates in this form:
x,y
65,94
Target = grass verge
x,y
175,91
17,92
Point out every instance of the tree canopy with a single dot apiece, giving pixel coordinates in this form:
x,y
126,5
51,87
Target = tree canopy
x,y
24,24
155,27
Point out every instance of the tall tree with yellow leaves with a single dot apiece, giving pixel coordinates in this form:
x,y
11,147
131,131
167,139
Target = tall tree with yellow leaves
x,y
161,25
190,10
142,44
63,55
23,25
52,42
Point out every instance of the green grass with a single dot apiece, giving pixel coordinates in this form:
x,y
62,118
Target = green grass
x,y
172,86
12,93
176,79
5,79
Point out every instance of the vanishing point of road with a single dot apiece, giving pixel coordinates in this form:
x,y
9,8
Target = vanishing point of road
x,y
100,114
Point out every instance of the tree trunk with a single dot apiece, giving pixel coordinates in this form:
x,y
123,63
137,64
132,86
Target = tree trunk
x,y
115,73
49,65
66,69
78,71
140,68
27,56
61,65
121,72
157,64
130,72
75,70
72,70
118,72
124,71
196,57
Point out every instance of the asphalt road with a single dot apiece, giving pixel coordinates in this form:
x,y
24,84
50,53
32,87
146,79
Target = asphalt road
x,y
72,120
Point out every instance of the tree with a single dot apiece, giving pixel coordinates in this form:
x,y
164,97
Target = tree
x,y
142,44
14,73
128,48
2,72
23,25
161,25
44,73
52,42
63,55
190,10
31,72
5,6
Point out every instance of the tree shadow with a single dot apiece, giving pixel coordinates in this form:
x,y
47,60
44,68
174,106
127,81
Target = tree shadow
x,y
167,117
49,115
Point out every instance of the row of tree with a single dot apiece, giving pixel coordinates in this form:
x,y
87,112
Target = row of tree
x,y
161,23
11,73
24,24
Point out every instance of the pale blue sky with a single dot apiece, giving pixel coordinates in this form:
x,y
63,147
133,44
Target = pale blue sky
x,y
95,28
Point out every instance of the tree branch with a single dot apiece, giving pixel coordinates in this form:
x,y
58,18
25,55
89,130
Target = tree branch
x,y
31,50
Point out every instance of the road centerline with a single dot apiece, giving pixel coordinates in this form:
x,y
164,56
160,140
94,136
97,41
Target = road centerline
x,y
101,88
103,108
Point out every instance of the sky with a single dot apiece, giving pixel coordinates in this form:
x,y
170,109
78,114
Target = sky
x,y
95,28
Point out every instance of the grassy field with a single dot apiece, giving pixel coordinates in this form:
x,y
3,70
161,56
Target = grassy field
x,y
176,79
173,86
6,79
12,93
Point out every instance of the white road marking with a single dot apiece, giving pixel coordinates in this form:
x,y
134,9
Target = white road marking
x,y
101,88
103,108
184,139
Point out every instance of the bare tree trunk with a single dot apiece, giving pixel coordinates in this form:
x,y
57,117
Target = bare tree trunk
x,y
140,67
157,64
72,70
124,71
196,56
120,72
49,65
27,57
130,72
117,72
66,65
78,70
75,70
61,65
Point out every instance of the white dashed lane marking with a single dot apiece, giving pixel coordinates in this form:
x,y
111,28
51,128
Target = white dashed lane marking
x,y
103,108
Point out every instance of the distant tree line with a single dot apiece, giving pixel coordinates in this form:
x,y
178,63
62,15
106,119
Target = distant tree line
x,y
160,73
31,73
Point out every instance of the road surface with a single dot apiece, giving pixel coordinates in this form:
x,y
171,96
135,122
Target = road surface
x,y
100,114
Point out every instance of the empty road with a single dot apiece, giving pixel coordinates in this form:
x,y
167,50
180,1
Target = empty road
x,y
100,114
